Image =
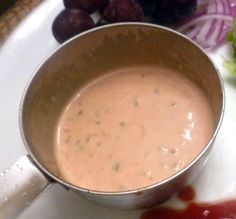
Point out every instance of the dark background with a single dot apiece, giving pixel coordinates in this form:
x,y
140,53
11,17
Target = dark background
x,y
5,4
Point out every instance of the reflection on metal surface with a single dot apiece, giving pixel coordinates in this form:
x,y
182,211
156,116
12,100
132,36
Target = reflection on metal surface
x,y
20,185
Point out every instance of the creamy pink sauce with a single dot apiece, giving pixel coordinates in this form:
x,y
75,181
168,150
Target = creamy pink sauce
x,y
131,128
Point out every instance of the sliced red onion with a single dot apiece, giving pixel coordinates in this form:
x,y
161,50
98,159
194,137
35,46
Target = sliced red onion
x,y
211,23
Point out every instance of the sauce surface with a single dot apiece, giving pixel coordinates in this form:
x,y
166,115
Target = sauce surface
x,y
131,128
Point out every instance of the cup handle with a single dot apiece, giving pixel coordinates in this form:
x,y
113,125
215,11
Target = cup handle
x,y
19,186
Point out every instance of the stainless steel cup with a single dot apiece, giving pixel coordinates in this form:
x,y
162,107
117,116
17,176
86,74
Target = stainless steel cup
x,y
76,62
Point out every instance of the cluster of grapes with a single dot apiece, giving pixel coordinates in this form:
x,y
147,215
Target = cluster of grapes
x,y
76,17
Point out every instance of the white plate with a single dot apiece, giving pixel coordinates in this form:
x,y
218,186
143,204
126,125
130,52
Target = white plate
x,y
24,50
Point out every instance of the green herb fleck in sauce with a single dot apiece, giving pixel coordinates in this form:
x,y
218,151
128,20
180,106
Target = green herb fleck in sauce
x,y
68,139
123,124
80,113
136,102
79,145
97,122
145,74
89,137
116,167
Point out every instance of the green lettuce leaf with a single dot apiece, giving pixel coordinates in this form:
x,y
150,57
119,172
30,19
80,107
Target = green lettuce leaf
x,y
231,38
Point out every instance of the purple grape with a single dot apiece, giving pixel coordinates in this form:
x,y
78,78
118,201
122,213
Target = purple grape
x,y
148,6
71,22
89,6
123,10
103,7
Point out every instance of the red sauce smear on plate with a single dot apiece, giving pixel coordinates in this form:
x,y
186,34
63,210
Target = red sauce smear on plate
x,y
219,210
187,194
